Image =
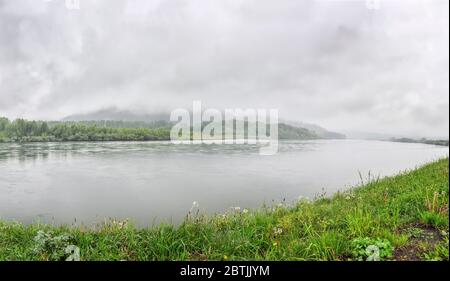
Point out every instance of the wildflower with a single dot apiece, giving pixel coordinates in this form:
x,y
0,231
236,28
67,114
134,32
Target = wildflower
x,y
194,205
373,253
277,230
122,224
73,252
245,211
237,209
303,199
225,257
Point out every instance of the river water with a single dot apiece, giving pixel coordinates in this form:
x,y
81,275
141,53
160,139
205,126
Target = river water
x,y
150,182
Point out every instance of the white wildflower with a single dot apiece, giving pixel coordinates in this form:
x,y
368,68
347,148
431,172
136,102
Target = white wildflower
x,y
373,253
277,230
73,252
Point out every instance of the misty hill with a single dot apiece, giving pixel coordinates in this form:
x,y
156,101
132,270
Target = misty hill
x,y
316,129
284,131
114,114
287,129
289,132
368,135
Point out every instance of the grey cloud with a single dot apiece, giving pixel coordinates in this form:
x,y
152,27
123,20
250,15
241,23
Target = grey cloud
x,y
336,63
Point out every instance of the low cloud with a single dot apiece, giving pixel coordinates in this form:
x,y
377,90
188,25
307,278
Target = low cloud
x,y
341,64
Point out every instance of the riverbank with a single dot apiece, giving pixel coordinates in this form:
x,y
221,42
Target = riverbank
x,y
25,131
424,141
404,217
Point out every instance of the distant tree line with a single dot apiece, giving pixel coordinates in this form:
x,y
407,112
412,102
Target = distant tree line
x,y
422,140
21,130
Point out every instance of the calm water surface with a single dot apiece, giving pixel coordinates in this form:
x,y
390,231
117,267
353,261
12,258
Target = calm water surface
x,y
148,182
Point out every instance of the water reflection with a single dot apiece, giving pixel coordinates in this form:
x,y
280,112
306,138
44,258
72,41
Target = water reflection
x,y
33,151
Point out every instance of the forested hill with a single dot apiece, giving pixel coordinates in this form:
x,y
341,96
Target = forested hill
x,y
290,129
21,130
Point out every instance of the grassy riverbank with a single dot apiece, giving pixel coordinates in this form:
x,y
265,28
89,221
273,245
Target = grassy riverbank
x,y
397,218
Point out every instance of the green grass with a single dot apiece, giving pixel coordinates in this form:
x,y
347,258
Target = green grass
x,y
405,212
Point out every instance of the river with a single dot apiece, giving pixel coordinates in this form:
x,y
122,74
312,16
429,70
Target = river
x,y
150,182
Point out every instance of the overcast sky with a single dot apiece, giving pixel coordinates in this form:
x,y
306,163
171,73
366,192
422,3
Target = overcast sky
x,y
377,66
